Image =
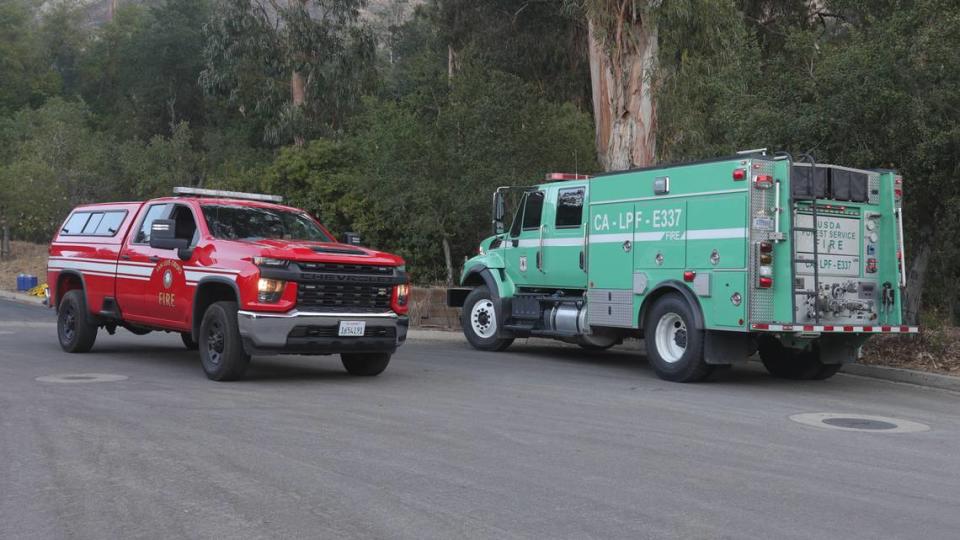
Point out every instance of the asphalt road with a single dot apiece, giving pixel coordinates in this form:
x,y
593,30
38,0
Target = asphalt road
x,y
537,442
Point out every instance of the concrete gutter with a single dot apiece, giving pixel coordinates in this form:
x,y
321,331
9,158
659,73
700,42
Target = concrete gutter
x,y
21,297
908,376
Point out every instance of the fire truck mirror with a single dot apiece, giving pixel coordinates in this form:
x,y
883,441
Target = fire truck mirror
x,y
163,235
499,211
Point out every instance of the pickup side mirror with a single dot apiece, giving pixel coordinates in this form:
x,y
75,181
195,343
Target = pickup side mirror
x,y
351,238
163,235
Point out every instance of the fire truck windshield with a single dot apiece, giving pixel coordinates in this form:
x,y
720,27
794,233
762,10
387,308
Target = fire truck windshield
x,y
230,222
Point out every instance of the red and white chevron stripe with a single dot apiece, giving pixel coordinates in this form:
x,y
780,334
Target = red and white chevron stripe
x,y
880,329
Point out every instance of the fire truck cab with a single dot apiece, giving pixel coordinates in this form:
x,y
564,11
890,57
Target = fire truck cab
x,y
235,274
707,261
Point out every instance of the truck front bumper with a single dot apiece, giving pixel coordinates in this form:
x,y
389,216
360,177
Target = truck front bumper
x,y
301,332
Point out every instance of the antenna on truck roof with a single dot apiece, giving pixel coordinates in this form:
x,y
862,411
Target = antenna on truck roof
x,y
200,192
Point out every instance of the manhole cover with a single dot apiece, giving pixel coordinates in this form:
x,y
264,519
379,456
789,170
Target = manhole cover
x,y
81,378
859,422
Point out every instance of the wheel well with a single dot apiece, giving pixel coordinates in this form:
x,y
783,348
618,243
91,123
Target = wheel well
x,y
474,279
207,294
65,284
672,288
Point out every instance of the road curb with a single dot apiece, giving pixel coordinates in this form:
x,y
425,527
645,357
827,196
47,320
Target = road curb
x,y
20,297
909,376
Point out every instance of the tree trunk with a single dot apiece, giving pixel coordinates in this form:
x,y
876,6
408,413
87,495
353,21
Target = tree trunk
x,y
112,10
298,94
622,59
913,296
448,258
453,62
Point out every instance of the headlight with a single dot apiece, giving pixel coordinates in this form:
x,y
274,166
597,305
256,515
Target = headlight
x,y
269,291
267,262
403,294
402,268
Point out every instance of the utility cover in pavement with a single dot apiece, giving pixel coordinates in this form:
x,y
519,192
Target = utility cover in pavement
x,y
859,422
81,378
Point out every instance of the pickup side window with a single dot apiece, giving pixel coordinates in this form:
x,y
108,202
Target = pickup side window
x,y
88,223
532,208
75,224
110,224
186,225
570,207
155,212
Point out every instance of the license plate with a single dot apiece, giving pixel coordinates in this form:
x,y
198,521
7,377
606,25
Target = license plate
x,y
763,223
352,328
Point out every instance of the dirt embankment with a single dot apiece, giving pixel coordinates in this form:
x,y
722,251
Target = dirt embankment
x,y
936,349
26,258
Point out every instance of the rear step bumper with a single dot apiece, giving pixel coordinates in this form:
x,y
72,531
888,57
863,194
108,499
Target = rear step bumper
x,y
881,329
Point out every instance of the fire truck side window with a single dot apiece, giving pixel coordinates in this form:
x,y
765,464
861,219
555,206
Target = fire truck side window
x,y
532,208
570,207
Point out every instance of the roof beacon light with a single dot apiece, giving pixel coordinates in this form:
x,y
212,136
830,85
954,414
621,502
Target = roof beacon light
x,y
200,192
556,177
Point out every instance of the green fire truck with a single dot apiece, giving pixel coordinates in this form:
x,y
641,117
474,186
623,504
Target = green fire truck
x,y
708,262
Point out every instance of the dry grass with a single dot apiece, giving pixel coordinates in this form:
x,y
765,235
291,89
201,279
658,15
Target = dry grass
x,y
27,258
935,349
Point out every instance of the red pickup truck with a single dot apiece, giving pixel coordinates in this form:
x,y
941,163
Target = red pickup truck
x,y
235,274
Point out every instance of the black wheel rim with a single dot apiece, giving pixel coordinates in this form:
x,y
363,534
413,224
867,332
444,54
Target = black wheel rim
x,y
215,343
69,324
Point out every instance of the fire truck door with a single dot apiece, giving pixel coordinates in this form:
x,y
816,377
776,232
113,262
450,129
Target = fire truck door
x,y
611,248
523,244
564,253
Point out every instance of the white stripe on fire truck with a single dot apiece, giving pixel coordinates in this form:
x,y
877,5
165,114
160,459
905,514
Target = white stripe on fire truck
x,y
656,236
716,234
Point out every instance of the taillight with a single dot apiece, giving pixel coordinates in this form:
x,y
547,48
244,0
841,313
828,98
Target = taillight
x,y
400,302
763,181
898,188
764,264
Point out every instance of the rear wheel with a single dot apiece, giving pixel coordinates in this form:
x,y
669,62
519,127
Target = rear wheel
x,y
76,327
480,321
674,345
365,364
221,349
793,364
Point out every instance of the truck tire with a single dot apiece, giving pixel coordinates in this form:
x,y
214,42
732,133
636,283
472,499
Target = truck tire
x,y
674,345
787,363
365,364
188,341
480,320
221,349
76,327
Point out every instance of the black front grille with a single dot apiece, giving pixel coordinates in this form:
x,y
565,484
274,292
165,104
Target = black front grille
x,y
343,298
334,268
332,331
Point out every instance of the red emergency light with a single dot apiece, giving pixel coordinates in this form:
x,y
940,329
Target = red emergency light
x,y
739,174
556,177
763,181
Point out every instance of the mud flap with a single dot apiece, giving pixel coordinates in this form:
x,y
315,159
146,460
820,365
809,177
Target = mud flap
x,y
724,348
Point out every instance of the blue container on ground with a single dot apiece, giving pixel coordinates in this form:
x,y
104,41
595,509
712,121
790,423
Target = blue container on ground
x,y
31,282
21,281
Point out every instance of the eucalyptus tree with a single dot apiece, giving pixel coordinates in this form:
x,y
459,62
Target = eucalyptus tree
x,y
297,66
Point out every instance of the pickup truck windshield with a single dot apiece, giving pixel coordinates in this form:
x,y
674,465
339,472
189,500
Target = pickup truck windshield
x,y
255,223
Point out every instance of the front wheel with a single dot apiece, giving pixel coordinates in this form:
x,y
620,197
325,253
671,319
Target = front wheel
x,y
221,348
481,321
674,344
188,341
365,364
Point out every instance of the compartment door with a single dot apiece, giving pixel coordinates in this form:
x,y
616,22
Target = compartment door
x,y
610,254
660,234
